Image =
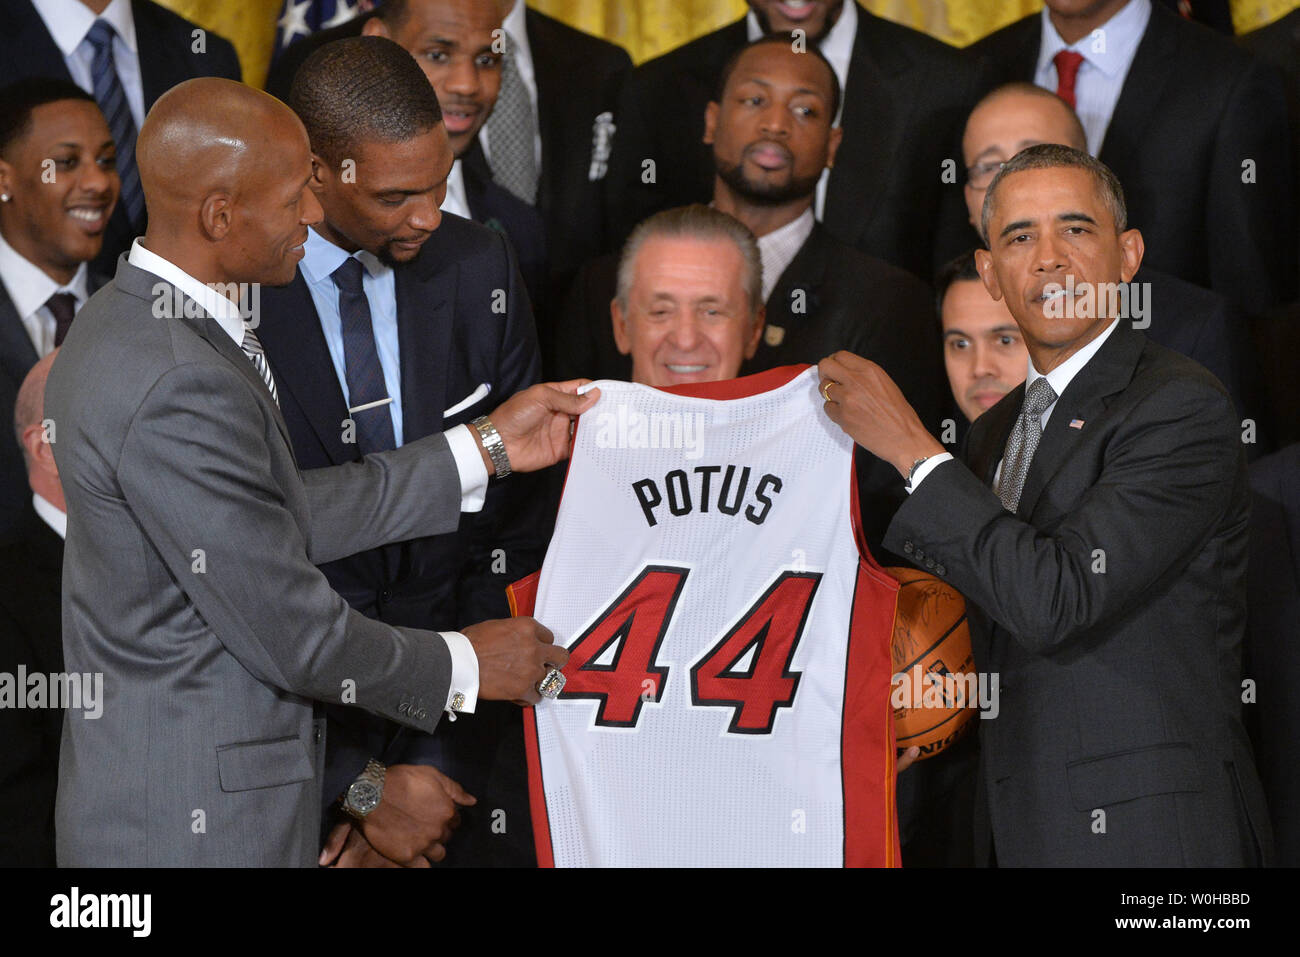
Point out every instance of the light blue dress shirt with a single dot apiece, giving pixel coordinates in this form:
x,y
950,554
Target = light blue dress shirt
x,y
321,257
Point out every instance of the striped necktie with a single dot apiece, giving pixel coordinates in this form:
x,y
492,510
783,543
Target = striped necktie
x,y
112,101
253,349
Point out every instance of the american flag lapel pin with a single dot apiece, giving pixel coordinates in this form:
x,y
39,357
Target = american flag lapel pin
x,y
1076,423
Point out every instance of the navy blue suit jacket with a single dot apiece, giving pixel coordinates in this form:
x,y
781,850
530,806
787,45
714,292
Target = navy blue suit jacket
x,y
452,341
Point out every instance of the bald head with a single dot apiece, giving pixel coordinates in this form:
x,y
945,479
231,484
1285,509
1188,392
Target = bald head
x,y
224,169
29,408
1007,120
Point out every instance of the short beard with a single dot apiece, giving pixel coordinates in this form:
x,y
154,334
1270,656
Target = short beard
x,y
788,192
832,17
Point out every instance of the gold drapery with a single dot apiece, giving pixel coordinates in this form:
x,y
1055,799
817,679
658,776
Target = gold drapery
x,y
648,27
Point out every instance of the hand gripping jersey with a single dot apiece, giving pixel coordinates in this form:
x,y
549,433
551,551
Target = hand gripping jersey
x,y
727,696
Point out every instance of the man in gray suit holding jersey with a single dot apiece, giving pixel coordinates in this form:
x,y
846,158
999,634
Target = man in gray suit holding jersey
x,y
189,576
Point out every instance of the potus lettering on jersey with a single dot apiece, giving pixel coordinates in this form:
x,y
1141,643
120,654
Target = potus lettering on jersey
x,y
685,495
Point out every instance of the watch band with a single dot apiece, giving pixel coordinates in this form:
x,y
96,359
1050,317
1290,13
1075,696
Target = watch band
x,y
494,445
911,473
368,787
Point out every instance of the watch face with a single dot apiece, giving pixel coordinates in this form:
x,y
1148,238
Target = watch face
x,y
363,796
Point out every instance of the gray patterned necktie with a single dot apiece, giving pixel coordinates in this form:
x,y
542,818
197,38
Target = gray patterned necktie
x,y
511,131
1023,442
253,349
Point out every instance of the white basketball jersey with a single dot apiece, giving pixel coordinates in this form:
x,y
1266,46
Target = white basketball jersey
x,y
727,696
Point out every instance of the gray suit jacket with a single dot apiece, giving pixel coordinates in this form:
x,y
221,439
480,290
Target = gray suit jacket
x,y
190,582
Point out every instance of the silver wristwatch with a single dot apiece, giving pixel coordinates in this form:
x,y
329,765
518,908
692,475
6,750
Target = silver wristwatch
x,y
364,794
494,445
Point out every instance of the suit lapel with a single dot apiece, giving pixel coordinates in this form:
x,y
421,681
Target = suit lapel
x,y
309,380
985,453
553,93
17,354
425,294
1153,65
159,70
805,273
1084,400
853,191
33,50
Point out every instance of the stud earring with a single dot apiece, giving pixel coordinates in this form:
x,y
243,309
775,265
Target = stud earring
x,y
4,197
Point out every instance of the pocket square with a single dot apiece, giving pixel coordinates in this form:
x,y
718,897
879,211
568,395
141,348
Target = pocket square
x,y
481,392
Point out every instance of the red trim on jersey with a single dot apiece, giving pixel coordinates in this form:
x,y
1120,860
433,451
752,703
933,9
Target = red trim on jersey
x,y
522,596
867,731
741,388
866,694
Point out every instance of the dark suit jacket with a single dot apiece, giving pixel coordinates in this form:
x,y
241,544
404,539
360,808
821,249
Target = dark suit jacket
x,y
1112,607
1274,603
495,206
166,59
17,356
578,78
1194,108
907,99
30,635
451,342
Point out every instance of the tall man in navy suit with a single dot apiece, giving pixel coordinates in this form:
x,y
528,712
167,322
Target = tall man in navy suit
x,y
404,321
1098,529
49,231
126,53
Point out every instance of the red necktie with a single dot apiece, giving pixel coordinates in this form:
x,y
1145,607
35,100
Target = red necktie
x,y
1067,68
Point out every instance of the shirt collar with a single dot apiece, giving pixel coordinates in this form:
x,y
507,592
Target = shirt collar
x,y
221,309
51,515
1060,377
837,46
68,22
778,248
321,257
1122,33
29,286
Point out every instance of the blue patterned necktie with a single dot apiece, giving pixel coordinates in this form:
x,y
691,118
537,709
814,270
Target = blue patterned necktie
x,y
367,390
112,101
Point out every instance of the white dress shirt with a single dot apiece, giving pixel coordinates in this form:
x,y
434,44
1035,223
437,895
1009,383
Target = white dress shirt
x,y
30,288
70,20
778,248
464,448
837,47
1059,379
456,202
51,515
1107,55
516,28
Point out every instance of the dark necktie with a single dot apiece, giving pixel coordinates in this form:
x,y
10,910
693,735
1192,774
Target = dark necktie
x,y
1067,68
367,391
63,307
117,111
1023,442
511,129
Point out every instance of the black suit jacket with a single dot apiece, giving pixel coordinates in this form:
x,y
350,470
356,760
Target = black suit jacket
x,y
451,343
17,356
1112,608
1193,109
496,207
1273,718
907,99
31,572
166,56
